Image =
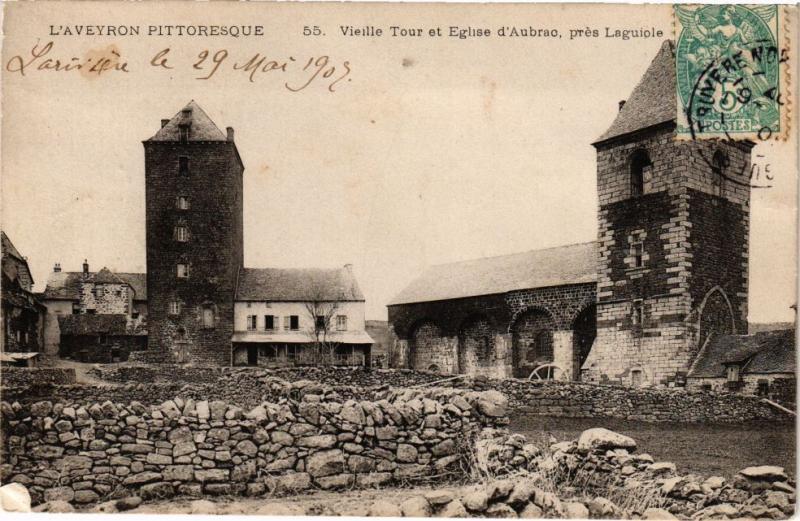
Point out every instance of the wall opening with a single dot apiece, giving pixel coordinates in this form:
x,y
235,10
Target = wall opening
x,y
532,342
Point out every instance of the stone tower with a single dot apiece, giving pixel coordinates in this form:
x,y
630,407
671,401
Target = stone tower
x,y
193,184
672,239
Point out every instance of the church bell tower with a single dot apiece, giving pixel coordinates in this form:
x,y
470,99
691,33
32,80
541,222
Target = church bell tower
x,y
672,239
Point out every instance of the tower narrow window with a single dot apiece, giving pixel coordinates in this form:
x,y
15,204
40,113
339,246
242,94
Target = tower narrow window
x,y
183,270
181,233
183,165
637,316
174,308
182,203
637,252
208,317
640,164
719,163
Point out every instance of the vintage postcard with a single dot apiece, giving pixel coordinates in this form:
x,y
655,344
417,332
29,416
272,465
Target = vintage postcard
x,y
399,260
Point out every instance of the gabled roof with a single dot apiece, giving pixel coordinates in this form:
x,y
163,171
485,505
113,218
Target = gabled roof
x,y
8,249
572,264
65,285
761,353
103,324
202,128
653,101
298,285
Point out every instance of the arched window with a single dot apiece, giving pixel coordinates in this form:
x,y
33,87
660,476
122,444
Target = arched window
x,y
719,163
640,163
182,203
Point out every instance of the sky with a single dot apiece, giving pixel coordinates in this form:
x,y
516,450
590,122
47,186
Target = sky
x,y
431,150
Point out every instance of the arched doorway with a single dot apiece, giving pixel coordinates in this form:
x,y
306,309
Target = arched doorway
x,y
584,331
424,343
532,341
716,316
475,345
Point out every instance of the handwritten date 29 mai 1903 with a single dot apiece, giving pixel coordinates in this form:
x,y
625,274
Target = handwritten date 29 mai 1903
x,y
208,63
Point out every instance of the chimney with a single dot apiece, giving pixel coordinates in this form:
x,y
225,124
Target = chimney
x,y
621,104
85,266
230,134
164,123
349,267
57,268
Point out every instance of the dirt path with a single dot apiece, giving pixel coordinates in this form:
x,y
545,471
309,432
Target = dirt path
x,y
82,375
349,503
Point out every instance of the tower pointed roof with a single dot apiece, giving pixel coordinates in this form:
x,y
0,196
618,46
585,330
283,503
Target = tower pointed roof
x,y
653,101
201,126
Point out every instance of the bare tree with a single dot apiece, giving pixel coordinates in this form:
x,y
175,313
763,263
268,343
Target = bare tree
x,y
322,312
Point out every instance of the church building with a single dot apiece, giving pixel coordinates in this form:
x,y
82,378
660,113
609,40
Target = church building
x,y
668,271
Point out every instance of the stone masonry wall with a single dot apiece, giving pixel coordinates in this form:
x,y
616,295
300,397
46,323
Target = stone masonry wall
x,y
33,376
87,452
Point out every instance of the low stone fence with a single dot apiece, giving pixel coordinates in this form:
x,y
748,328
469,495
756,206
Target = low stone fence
x,y
85,452
247,387
584,400
36,376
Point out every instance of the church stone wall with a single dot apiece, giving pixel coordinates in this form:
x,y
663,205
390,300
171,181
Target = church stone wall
x,y
475,335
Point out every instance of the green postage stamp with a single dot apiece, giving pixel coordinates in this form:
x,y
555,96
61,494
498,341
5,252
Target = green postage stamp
x,y
731,71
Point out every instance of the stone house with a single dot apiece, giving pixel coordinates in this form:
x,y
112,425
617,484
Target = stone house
x,y
299,317
201,296
22,312
668,269
761,364
84,294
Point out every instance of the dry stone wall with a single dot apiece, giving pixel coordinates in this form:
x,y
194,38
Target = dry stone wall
x,y
87,452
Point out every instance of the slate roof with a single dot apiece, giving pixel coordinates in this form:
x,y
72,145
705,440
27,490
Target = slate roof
x,y
572,264
653,101
202,128
65,285
298,285
761,353
85,324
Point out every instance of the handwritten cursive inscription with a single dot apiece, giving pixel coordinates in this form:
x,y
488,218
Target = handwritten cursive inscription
x,y
41,59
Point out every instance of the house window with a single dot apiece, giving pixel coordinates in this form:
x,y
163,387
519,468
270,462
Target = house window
x,y
174,308
135,314
718,165
208,317
637,315
286,323
181,233
291,351
251,322
184,130
636,378
183,203
640,165
763,388
183,271
294,322
733,373
183,165
118,293
341,323
269,322
637,252
320,323
706,387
